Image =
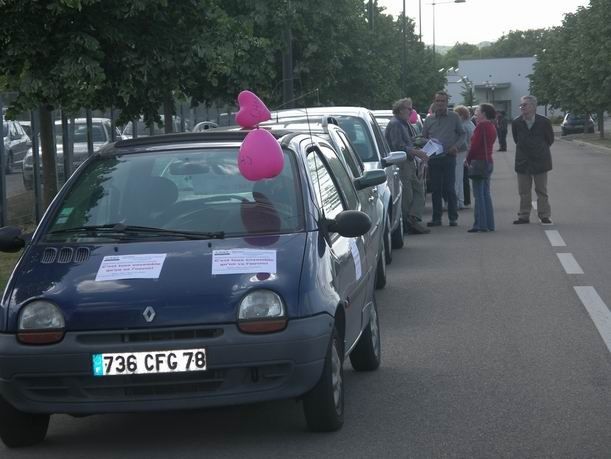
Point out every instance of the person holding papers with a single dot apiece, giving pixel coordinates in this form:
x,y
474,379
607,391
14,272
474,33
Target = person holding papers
x,y
446,128
398,137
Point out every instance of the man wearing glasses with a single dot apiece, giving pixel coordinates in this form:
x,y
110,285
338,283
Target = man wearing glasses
x,y
533,135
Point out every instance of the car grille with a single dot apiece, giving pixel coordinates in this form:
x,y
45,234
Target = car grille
x,y
65,255
143,336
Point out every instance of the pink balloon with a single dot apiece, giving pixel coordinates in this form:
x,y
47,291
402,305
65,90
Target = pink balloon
x,y
252,110
260,156
413,117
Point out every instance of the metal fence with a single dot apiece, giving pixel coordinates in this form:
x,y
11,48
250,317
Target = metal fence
x,y
21,197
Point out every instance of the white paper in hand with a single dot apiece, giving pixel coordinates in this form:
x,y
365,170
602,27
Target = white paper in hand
x,y
433,147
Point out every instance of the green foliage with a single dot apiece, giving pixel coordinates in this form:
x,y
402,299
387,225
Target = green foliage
x,y
573,71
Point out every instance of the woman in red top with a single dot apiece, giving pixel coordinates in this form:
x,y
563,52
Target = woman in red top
x,y
482,143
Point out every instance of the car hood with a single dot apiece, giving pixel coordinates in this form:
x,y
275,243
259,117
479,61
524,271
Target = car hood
x,y
185,292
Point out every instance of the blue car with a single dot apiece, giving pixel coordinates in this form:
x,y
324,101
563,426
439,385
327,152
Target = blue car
x,y
160,279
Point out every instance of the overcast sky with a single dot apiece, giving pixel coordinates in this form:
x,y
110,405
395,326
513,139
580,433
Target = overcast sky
x,y
481,20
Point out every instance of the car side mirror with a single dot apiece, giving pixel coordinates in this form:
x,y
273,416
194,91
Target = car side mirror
x,y
395,157
349,223
370,178
11,239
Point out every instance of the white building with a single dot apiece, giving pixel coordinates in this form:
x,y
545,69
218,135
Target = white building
x,y
500,82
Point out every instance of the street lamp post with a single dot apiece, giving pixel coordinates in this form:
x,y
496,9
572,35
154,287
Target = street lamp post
x,y
440,3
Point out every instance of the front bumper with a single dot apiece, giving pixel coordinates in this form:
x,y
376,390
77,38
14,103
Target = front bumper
x,y
241,369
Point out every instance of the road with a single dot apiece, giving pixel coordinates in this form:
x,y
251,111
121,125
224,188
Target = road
x,y
488,350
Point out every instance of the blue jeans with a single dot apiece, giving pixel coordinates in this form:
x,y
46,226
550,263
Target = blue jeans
x,y
443,173
482,212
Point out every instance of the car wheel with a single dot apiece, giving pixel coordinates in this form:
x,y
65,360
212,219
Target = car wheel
x,y
21,429
397,236
323,406
380,280
387,241
367,354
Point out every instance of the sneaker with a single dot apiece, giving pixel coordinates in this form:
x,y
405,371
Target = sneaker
x,y
521,221
453,223
433,223
546,221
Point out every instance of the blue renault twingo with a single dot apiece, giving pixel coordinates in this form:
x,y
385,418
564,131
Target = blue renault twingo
x,y
160,278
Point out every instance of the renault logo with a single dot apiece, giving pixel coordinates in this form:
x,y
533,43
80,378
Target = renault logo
x,y
149,314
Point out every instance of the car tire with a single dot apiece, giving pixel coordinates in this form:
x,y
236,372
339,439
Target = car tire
x,y
367,355
387,241
397,236
19,429
323,406
380,279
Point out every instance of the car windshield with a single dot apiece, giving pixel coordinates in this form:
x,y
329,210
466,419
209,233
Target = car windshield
x,y
199,191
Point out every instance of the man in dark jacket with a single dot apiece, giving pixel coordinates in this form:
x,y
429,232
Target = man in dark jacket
x,y
533,135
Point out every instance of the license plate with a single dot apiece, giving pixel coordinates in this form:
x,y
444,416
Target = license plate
x,y
137,363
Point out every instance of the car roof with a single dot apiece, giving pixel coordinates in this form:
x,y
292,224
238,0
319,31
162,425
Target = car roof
x,y
225,136
301,112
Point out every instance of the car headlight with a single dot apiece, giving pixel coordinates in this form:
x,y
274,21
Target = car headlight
x,y
261,311
40,322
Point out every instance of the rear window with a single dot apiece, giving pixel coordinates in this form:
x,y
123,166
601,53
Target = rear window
x,y
187,190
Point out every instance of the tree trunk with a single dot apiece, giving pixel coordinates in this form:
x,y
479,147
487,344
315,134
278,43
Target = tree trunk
x,y
47,146
168,114
601,123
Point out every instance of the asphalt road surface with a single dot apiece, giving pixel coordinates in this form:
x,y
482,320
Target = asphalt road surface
x,y
490,349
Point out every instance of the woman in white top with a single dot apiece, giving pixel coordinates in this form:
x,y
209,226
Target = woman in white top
x,y
468,126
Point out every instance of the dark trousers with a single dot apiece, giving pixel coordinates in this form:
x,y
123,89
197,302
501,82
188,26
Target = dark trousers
x,y
467,187
443,174
502,134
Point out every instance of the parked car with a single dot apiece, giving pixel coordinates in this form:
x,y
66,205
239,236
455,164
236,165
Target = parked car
x,y
27,127
160,278
328,128
204,126
365,134
576,124
101,135
16,145
142,130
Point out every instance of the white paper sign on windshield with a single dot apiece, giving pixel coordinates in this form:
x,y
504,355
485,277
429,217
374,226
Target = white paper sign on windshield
x,y
145,266
243,261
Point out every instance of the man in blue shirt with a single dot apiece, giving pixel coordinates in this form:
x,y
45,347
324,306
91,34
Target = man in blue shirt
x,y
446,127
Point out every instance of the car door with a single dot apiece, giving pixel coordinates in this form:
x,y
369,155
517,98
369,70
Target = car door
x,y
392,172
353,267
370,198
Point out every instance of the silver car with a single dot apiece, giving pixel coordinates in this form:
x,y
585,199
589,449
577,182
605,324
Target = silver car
x,y
365,134
101,135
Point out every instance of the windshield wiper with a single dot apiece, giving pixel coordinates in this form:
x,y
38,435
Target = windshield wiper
x,y
132,230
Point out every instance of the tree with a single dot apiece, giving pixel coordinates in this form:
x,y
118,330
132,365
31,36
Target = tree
x,y
134,55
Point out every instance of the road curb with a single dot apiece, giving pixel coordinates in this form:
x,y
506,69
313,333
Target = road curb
x,y
588,144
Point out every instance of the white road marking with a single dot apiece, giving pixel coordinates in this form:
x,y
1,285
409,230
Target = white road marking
x,y
598,311
569,263
534,205
554,238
